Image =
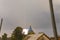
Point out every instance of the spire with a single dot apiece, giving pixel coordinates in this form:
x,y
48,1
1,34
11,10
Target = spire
x,y
30,31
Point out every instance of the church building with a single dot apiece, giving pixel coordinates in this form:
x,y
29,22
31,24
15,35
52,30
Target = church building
x,y
33,36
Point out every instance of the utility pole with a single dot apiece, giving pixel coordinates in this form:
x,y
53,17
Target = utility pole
x,y
53,20
1,24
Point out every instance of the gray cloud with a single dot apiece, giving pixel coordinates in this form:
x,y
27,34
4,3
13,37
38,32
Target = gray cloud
x,y
35,12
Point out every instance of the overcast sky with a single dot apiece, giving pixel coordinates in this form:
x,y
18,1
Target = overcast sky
x,y
35,12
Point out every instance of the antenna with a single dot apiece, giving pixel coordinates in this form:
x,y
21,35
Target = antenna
x,y
1,23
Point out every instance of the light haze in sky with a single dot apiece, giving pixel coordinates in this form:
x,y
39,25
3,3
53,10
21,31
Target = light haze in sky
x,y
25,12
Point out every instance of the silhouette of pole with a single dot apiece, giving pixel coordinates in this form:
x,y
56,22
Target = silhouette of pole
x,y
53,20
1,24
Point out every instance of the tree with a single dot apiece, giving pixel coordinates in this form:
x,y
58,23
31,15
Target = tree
x,y
4,37
17,34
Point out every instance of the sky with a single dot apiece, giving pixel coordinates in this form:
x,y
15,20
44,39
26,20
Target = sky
x,y
25,12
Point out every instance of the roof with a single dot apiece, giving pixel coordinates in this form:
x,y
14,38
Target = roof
x,y
35,36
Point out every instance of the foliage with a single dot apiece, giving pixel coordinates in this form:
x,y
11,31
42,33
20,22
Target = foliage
x,y
17,34
4,37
